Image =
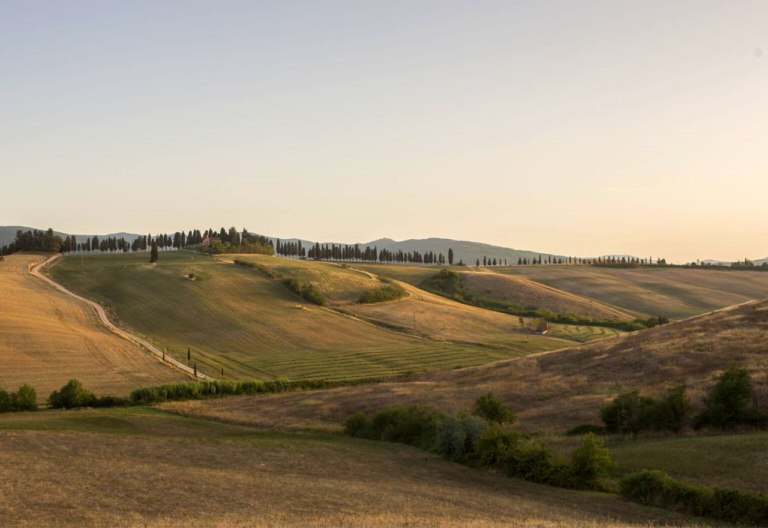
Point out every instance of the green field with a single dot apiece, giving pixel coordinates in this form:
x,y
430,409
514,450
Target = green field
x,y
234,318
675,293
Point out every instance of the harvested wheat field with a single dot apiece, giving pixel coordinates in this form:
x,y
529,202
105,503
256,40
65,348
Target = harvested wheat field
x,y
48,338
341,285
438,317
139,467
672,292
550,392
529,293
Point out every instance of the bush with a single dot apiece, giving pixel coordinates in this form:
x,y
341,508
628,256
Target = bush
x,y
590,463
457,434
307,291
71,395
391,292
583,429
5,401
25,399
493,409
628,413
110,401
656,488
495,446
727,404
357,425
671,413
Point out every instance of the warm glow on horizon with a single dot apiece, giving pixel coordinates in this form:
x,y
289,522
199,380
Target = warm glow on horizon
x,y
569,128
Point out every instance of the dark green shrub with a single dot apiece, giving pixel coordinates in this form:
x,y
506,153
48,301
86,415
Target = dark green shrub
x,y
656,488
590,463
493,409
25,399
391,292
583,429
671,412
538,462
71,395
110,401
5,401
357,425
457,434
727,404
495,446
628,413
307,291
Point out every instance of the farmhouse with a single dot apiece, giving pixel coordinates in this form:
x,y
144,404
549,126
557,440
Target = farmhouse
x,y
207,241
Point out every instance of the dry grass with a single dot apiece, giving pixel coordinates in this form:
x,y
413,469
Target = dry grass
x,y
159,470
340,285
550,391
48,338
234,318
675,293
529,293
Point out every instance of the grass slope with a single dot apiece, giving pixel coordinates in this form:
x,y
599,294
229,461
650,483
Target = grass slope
x,y
48,338
551,392
140,467
675,293
236,319
529,293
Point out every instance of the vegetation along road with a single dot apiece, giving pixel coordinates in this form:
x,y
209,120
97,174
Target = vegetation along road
x,y
104,319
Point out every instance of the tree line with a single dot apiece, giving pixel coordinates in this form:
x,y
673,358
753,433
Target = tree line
x,y
350,253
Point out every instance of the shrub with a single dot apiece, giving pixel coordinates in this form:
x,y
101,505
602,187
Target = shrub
x,y
307,291
493,409
671,413
590,463
656,488
5,401
727,404
71,395
25,399
495,446
357,425
110,401
391,292
628,413
583,429
457,434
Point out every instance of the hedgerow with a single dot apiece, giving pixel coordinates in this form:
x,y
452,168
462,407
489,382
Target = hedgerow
x,y
24,399
390,292
656,488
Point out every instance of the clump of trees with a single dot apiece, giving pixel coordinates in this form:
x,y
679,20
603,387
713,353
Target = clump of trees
x,y
307,291
24,399
727,405
481,439
348,253
73,395
36,240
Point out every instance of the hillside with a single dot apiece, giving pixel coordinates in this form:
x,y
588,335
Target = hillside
x,y
551,391
529,293
672,292
234,318
48,338
139,467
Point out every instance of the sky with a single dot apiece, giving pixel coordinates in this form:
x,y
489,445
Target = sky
x,y
579,128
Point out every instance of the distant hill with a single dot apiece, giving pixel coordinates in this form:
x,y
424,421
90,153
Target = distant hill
x,y
8,234
467,251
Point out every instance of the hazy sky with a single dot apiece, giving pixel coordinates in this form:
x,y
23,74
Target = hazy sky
x,y
559,126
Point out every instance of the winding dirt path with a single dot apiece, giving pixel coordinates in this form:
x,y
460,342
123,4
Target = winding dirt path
x,y
104,319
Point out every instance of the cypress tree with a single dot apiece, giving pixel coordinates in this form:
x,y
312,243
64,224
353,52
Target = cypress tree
x,y
189,355
450,256
153,256
195,369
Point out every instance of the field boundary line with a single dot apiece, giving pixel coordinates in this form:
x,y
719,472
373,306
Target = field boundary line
x,y
114,329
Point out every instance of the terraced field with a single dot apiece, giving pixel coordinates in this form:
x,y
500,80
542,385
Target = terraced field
x,y
48,338
233,318
675,293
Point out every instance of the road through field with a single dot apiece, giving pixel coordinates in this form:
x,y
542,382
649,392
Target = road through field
x,y
104,319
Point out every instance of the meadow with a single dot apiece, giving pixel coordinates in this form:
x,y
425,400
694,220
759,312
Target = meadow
x,y
142,467
674,293
236,319
48,338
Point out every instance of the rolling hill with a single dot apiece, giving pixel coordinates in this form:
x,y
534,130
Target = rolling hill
x,y
672,292
48,338
234,318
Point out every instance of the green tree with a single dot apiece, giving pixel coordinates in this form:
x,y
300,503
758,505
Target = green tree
x,y
450,257
25,399
71,395
153,255
493,409
590,463
727,404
